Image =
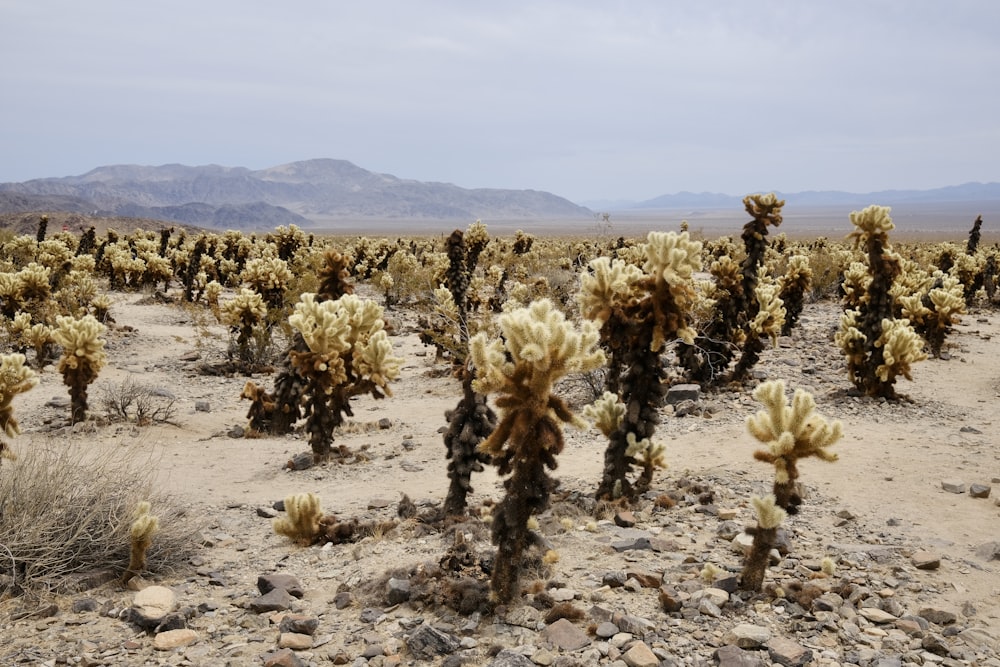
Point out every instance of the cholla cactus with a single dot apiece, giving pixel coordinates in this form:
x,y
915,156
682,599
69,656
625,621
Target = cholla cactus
x,y
791,432
932,312
793,287
878,347
83,357
537,348
765,534
140,539
246,314
303,521
15,378
282,410
767,322
347,353
639,312
269,276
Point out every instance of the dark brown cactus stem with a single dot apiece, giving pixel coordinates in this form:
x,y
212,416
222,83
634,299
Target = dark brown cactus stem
x,y
528,490
786,494
974,236
755,567
469,423
289,388
753,347
77,380
793,295
642,392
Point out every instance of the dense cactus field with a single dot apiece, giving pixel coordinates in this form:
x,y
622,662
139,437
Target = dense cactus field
x,y
526,356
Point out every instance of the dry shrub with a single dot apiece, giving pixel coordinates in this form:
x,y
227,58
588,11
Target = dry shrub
x,y
131,401
67,509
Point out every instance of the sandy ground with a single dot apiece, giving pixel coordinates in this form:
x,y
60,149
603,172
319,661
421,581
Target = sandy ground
x,y
893,456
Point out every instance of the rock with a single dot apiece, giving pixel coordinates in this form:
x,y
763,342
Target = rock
x,y
287,582
747,635
397,591
284,658
727,530
633,625
682,392
300,623
295,641
645,578
734,656
709,608
275,600
267,512
301,461
669,600
953,485
742,543
174,621
980,490
384,423
427,642
640,655
989,551
624,518
151,605
606,630
171,639
637,544
508,658
343,600
202,406
876,615
925,560
788,653
613,579
938,616
566,636
935,643
192,355
716,595
84,605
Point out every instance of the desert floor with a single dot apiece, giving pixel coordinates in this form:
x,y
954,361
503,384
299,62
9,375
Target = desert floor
x,y
888,483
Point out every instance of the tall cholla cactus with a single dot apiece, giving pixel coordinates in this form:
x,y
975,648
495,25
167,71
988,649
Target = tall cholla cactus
x,y
765,534
15,378
537,348
639,312
348,353
791,432
878,347
83,358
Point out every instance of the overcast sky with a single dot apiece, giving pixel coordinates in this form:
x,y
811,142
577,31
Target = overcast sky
x,y
590,100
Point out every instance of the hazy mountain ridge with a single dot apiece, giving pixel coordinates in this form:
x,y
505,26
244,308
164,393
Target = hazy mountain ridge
x,y
966,192
216,196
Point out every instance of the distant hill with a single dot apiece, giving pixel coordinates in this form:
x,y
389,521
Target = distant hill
x,y
967,192
297,193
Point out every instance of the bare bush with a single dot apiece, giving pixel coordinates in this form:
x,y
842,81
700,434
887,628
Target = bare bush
x,y
66,510
131,401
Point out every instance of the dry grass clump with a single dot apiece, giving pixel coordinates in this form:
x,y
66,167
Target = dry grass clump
x,y
67,509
